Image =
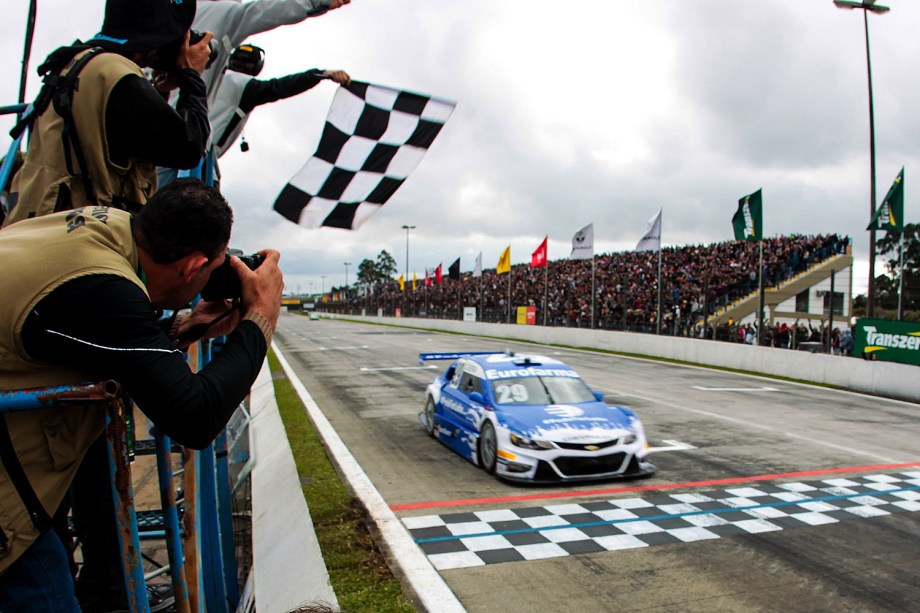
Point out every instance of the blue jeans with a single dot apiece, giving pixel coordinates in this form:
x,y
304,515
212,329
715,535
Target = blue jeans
x,y
39,581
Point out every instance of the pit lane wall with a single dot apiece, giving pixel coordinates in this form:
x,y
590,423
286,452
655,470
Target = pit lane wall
x,y
878,378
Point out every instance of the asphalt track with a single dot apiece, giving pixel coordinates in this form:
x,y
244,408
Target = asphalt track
x,y
734,440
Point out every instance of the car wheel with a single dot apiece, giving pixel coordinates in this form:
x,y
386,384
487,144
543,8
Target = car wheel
x,y
429,416
488,448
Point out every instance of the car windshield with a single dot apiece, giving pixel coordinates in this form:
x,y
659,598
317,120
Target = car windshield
x,y
542,390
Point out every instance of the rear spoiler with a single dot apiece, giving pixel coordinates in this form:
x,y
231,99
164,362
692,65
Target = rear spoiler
x,y
426,357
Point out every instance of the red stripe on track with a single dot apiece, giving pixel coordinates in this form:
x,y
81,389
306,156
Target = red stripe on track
x,y
643,488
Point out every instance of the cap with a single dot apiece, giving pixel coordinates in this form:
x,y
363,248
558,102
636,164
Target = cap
x,y
144,25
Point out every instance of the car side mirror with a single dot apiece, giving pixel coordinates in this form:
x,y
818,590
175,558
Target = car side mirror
x,y
477,398
599,396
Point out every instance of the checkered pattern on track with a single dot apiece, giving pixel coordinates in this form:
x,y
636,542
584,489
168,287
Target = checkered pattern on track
x,y
460,540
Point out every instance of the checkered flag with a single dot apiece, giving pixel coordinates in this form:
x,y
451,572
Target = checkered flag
x,y
373,138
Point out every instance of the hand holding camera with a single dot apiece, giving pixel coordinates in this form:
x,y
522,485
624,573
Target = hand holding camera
x,y
262,287
198,51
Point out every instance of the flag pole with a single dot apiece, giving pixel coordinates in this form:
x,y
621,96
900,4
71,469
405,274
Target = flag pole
x,y
830,322
901,282
545,301
658,320
592,287
510,272
760,310
480,296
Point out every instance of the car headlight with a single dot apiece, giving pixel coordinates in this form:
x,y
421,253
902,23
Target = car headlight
x,y
629,439
529,443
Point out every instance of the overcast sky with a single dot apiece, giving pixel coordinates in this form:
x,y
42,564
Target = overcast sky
x,y
599,111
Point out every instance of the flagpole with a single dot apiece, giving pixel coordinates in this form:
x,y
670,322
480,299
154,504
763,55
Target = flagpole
x,y
760,310
901,282
830,322
545,301
510,272
658,330
480,297
592,287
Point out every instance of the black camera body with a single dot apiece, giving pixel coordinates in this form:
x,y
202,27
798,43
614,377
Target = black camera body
x,y
164,59
194,36
224,283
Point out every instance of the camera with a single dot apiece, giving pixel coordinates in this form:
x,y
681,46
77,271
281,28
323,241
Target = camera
x,y
194,36
164,58
224,283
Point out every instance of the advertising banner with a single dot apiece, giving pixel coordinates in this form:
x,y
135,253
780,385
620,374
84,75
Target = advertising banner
x,y
888,341
527,315
469,313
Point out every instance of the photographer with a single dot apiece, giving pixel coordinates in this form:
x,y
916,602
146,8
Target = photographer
x,y
87,310
99,143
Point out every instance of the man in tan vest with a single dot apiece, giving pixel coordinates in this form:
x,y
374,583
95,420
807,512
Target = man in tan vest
x,y
100,127
86,310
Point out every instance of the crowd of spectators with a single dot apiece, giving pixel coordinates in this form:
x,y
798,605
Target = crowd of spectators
x,y
696,281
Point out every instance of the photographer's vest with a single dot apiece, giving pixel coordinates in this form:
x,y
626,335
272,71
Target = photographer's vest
x,y
42,449
50,179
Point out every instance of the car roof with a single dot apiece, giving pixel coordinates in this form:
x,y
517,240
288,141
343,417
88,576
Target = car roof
x,y
506,365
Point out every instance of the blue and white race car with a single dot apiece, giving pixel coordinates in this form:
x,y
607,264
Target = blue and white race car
x,y
531,418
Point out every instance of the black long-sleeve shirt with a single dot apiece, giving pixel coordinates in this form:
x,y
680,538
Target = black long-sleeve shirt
x,y
139,123
106,326
257,93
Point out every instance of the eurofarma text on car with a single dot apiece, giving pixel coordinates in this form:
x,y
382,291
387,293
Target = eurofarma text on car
x,y
531,418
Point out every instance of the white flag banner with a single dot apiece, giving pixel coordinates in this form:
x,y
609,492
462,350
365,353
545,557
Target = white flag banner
x,y
583,243
374,137
477,270
652,239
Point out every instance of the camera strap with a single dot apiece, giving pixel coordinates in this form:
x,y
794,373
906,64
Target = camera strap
x,y
63,87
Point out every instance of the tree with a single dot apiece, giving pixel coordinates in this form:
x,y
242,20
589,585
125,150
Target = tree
x,y
381,271
386,266
367,272
889,245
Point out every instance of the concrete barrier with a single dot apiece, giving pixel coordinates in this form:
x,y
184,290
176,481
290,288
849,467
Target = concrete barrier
x,y
287,565
901,381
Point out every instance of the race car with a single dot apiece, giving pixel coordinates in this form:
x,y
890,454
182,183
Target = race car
x,y
531,418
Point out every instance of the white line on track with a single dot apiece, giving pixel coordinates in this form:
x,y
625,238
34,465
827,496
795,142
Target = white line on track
x,y
672,446
749,424
308,350
364,369
428,585
734,389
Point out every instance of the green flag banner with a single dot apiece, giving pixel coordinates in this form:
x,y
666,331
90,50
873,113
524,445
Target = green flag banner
x,y
748,219
890,215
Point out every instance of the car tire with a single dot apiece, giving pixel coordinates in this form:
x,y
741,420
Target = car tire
x,y
430,411
488,447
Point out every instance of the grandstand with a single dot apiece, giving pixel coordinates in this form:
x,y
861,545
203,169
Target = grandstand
x,y
703,288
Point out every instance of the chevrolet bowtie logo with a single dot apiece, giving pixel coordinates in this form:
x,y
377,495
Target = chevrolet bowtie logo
x,y
591,447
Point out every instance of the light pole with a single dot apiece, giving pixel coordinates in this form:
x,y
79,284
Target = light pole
x,y
323,277
347,264
867,6
407,228
406,282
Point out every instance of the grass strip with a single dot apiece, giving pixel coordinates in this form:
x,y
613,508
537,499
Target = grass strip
x,y
357,569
